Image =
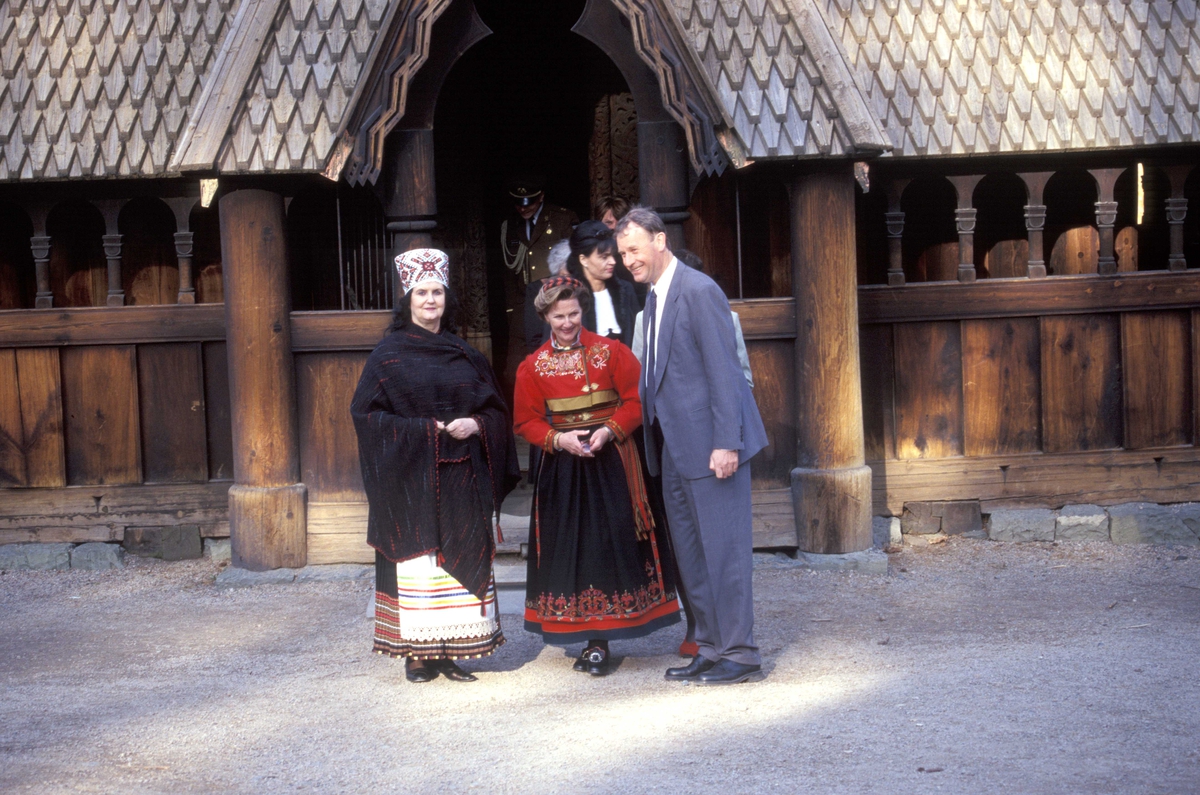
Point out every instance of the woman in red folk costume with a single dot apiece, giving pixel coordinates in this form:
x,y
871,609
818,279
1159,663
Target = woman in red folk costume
x,y
594,569
437,455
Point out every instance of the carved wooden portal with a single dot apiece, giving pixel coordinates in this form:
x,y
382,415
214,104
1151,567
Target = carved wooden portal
x,y
612,152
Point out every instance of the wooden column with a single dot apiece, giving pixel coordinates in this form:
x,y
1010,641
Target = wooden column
x,y
1106,217
663,175
182,207
831,484
895,229
111,209
1035,221
410,194
964,220
39,246
1177,206
266,503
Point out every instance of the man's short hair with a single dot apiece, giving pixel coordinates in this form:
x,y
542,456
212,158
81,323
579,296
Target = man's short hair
x,y
557,258
616,204
645,218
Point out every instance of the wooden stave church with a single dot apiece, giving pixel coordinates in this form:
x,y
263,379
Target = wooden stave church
x,y
958,233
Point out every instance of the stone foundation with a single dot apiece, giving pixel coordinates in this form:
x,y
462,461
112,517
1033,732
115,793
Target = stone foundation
x,y
1130,523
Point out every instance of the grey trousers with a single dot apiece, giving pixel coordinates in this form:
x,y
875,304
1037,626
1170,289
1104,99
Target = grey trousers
x,y
710,525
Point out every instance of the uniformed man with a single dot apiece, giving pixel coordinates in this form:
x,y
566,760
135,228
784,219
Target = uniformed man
x,y
532,229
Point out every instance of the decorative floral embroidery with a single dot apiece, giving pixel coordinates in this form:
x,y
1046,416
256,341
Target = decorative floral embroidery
x,y
593,603
560,363
598,356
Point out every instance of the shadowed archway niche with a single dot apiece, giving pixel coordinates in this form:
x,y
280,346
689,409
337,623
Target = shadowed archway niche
x,y
398,121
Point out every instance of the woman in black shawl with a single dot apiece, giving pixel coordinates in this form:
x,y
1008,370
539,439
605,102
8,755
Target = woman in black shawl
x,y
437,455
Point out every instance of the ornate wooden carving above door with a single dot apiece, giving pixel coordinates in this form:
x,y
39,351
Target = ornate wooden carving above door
x,y
638,35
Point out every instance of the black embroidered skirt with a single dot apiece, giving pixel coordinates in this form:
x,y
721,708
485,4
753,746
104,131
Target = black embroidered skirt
x,y
590,576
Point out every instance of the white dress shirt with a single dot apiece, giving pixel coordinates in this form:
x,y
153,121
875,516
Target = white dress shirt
x,y
661,288
606,314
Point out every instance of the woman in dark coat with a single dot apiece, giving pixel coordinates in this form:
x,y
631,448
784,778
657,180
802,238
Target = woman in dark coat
x,y
438,457
614,303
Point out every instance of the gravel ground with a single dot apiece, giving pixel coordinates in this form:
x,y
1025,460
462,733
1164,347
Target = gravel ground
x,y
972,667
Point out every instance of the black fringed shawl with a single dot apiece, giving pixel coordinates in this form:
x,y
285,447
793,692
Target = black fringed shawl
x,y
411,379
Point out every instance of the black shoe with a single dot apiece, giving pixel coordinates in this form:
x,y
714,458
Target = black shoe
x,y
728,672
421,673
597,661
697,666
450,670
581,662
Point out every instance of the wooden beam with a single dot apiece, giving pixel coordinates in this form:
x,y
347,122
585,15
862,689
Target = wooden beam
x,y
337,531
223,89
1041,479
761,318
266,504
76,514
831,486
41,328
1060,295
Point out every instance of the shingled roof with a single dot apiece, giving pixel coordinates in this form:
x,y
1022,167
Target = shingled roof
x,y
948,77
140,88
101,88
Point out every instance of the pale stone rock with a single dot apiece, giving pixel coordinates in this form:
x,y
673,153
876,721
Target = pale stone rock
x,y
218,549
1147,523
1081,523
1032,524
36,557
335,572
98,556
233,577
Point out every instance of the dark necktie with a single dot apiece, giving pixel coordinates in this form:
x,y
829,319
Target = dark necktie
x,y
651,345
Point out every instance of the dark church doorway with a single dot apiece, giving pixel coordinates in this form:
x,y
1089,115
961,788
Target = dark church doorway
x,y
531,99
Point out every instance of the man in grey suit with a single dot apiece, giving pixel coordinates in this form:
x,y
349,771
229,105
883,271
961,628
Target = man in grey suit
x,y
702,427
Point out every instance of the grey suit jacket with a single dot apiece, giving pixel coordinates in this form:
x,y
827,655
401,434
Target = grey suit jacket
x,y
702,400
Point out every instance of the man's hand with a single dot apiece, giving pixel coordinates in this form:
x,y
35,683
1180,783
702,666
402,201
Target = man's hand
x,y
600,437
723,463
461,428
570,441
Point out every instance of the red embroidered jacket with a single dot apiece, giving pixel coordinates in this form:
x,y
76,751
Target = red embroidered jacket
x,y
592,383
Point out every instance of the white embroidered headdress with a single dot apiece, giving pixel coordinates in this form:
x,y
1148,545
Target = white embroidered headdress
x,y
423,264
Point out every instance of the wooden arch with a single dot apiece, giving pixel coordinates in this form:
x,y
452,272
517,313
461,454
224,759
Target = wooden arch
x,y
412,59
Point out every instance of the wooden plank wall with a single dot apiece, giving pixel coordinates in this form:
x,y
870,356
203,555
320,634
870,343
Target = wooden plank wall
x,y
97,416
1020,393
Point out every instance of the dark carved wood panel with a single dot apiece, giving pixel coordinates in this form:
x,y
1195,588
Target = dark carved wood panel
x,y
878,388
40,375
929,393
217,413
1001,386
772,363
710,230
171,395
612,150
1081,383
101,411
325,384
1158,378
12,436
